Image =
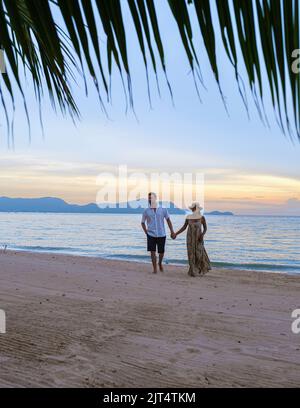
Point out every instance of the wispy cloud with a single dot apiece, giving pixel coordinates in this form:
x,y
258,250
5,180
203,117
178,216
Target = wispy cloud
x,y
75,181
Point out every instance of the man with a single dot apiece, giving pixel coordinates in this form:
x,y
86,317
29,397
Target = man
x,y
154,217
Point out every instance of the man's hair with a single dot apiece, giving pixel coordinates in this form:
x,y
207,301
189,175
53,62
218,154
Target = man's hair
x,y
151,193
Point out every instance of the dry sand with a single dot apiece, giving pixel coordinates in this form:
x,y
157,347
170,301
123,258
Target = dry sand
x,y
87,322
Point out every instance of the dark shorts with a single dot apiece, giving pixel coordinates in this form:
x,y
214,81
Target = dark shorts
x,y
153,242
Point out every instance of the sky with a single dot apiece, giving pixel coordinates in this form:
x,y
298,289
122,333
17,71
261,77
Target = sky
x,y
248,168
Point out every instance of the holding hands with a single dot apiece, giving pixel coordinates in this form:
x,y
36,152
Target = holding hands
x,y
175,234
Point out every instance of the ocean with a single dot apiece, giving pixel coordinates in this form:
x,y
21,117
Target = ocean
x,y
242,242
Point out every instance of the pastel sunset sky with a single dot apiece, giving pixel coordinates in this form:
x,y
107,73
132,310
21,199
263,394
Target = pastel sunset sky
x,y
249,168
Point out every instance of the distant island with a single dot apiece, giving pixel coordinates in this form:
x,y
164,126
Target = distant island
x,y
219,213
58,205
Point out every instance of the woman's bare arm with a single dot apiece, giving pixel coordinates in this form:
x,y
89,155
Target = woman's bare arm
x,y
144,228
204,225
203,222
183,228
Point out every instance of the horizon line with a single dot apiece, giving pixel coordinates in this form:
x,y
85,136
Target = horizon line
x,y
118,202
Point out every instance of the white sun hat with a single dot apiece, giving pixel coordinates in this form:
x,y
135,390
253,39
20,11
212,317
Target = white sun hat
x,y
196,215
196,205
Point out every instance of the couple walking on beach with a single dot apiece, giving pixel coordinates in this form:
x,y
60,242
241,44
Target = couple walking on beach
x,y
153,225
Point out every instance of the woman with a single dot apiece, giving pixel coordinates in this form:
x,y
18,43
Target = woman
x,y
198,258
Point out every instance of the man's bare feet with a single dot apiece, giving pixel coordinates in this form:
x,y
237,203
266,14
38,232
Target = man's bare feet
x,y
161,268
154,271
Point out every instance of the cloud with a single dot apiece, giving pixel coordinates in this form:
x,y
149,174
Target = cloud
x,y
225,188
293,203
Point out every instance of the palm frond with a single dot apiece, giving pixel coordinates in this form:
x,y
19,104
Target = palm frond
x,y
258,36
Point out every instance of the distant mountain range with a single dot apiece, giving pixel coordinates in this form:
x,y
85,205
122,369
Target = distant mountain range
x,y
219,213
57,205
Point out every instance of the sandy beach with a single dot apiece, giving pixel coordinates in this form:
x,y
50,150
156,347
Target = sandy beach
x,y
87,322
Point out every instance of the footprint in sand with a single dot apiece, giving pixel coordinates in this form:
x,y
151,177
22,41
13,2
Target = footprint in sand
x,y
172,360
192,350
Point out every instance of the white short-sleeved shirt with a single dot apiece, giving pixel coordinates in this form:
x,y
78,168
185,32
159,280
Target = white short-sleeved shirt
x,y
155,221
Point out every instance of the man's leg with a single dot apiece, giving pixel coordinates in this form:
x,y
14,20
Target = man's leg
x,y
160,259
151,247
154,261
161,251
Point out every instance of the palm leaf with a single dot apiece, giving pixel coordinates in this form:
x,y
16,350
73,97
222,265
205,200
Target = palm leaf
x,y
263,33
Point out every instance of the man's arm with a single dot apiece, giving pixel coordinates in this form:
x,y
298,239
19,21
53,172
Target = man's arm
x,y
169,222
144,227
143,223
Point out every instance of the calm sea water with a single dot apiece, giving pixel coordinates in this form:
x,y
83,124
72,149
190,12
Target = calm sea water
x,y
261,243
